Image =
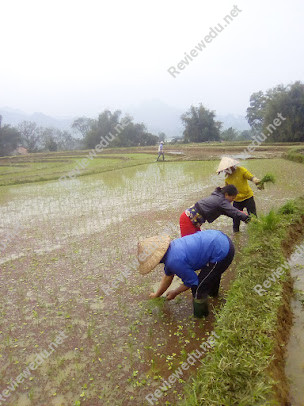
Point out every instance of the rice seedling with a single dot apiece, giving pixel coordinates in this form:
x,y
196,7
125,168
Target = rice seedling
x,y
268,178
267,222
288,208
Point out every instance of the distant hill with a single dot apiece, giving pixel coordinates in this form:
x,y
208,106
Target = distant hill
x,y
155,114
14,117
160,117
235,121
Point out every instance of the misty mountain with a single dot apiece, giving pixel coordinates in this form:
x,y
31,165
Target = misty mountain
x,y
160,117
13,117
235,121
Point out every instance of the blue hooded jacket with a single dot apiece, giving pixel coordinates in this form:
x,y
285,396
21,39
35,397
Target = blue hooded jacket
x,y
187,254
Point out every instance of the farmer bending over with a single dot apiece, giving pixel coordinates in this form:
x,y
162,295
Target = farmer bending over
x,y
210,208
209,251
239,176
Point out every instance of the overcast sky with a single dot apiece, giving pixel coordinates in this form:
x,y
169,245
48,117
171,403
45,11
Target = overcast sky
x,y
76,57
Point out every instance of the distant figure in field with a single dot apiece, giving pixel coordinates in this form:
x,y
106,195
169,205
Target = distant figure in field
x,y
161,150
239,176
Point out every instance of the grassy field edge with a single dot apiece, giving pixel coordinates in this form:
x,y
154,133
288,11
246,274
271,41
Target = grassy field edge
x,y
246,366
295,154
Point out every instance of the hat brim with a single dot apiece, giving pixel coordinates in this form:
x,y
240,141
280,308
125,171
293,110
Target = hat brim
x,y
151,251
226,163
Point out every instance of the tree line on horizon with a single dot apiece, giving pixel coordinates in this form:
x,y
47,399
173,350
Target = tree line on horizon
x,y
199,126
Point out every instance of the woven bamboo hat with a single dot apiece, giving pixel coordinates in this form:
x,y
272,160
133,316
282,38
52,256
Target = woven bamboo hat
x,y
150,251
226,162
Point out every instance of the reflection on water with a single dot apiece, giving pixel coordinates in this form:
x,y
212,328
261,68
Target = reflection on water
x,y
49,213
295,350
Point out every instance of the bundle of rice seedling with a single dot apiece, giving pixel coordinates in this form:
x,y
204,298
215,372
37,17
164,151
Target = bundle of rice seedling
x,y
267,178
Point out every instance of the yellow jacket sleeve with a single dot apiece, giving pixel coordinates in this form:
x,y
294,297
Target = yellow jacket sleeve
x,y
247,174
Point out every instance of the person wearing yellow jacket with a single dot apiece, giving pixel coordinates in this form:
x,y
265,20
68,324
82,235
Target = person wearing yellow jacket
x,y
239,176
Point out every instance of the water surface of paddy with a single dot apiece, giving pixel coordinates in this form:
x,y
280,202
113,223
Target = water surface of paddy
x,y
295,350
73,242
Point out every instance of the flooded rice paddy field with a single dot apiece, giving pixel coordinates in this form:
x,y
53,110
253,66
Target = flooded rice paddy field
x,y
68,263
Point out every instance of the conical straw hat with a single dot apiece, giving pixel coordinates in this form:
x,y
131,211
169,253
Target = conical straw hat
x,y
226,163
150,252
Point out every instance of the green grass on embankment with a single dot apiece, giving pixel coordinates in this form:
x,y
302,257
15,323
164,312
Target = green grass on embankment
x,y
295,154
241,369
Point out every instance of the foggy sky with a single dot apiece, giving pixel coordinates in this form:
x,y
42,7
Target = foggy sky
x,y
69,58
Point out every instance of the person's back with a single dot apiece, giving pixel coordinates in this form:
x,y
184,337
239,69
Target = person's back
x,y
211,251
196,250
239,178
209,209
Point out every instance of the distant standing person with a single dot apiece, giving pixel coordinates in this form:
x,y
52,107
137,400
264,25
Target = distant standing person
x,y
161,150
239,176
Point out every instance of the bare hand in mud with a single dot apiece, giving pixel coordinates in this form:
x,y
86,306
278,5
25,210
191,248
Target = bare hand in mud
x,y
171,295
152,295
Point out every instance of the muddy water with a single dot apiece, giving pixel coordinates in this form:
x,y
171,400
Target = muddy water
x,y
295,350
93,203
72,242
37,212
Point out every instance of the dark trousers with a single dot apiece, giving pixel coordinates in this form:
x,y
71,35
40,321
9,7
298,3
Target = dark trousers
x,y
159,154
249,204
210,276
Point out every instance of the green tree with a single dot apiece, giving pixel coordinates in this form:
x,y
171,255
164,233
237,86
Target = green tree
x,y
82,125
247,135
111,130
105,127
200,125
30,135
287,101
9,140
290,105
48,139
133,134
65,141
229,134
256,111
258,103
51,144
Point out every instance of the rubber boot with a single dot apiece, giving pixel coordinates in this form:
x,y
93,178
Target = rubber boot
x,y
200,308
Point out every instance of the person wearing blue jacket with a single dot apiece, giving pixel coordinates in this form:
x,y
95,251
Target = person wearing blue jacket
x,y
209,251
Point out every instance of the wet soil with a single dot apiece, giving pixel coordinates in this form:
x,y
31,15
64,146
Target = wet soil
x,y
64,270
